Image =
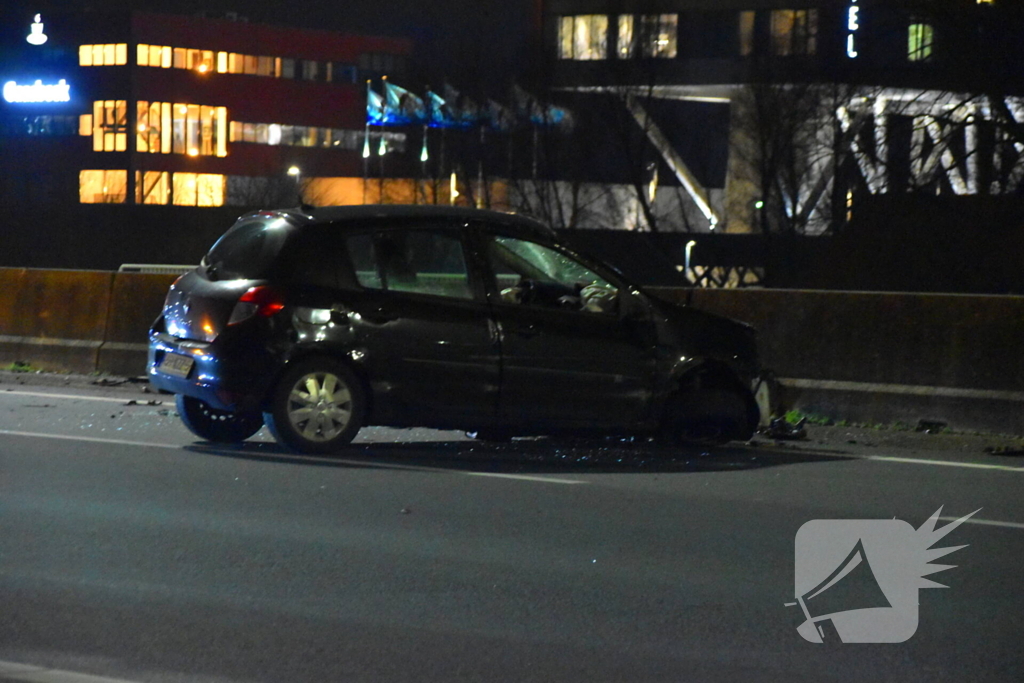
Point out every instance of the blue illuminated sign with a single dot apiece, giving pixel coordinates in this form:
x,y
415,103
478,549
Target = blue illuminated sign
x,y
37,92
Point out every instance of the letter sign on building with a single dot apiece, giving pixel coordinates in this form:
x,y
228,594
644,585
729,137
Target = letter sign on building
x,y
37,92
852,26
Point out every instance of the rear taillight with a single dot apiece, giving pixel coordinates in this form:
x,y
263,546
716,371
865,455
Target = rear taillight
x,y
257,301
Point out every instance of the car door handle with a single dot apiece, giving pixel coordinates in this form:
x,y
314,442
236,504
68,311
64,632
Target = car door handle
x,y
379,316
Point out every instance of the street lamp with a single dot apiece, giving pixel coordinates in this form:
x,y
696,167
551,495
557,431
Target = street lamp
x,y
296,173
689,248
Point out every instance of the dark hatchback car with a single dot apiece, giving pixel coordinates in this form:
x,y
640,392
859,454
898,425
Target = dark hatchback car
x,y
317,322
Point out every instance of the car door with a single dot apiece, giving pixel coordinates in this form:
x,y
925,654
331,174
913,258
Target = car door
x,y
570,355
422,325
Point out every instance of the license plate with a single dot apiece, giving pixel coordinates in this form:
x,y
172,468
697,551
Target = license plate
x,y
177,365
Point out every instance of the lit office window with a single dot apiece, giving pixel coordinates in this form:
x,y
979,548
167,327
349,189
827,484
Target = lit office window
x,y
109,126
113,54
159,56
658,35
175,128
102,187
626,46
747,33
583,37
919,42
306,136
794,32
198,189
152,187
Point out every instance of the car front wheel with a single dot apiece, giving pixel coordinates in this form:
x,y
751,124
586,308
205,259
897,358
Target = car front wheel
x,y
316,407
714,416
221,426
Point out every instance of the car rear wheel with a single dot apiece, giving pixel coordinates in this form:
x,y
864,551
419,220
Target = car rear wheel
x,y
317,407
212,424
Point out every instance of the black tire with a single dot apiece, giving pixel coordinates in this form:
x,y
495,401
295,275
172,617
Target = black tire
x,y
220,426
316,407
710,416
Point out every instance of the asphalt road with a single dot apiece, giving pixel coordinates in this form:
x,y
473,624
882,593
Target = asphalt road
x,y
132,551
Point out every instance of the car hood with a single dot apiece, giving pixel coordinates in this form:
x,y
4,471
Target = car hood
x,y
701,334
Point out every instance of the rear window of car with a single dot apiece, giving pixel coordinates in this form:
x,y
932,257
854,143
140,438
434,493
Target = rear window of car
x,y
247,251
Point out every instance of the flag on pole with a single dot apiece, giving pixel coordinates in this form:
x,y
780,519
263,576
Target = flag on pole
x,y
464,111
537,113
374,107
499,117
402,106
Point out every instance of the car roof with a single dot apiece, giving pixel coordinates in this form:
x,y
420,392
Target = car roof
x,y
341,214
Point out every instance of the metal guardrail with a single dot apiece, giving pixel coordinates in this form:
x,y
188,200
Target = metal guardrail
x,y
154,268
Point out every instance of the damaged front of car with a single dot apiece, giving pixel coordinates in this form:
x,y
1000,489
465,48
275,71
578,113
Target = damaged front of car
x,y
709,372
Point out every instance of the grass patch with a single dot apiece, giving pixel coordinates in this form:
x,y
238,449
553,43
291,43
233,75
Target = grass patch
x,y
794,416
18,366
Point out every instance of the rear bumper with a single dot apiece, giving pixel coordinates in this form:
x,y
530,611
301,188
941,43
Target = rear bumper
x,y
235,381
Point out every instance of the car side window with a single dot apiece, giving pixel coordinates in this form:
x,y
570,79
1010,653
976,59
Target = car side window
x,y
532,274
415,261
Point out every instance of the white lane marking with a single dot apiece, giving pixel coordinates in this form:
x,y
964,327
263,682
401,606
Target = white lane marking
x,y
38,674
986,522
76,397
941,463
358,463
525,477
917,461
90,439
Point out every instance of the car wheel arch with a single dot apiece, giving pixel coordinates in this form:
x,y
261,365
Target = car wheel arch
x,y
301,355
709,374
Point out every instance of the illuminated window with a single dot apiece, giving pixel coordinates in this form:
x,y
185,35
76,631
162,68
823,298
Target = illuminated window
x,y
198,189
102,187
919,42
305,136
583,37
85,125
794,31
626,46
746,33
222,62
113,54
658,35
165,128
152,187
109,126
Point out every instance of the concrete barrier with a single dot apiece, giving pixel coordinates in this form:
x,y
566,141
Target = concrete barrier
x,y
888,357
880,357
135,302
53,319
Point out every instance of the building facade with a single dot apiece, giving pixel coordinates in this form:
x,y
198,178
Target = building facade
x,y
158,110
829,101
